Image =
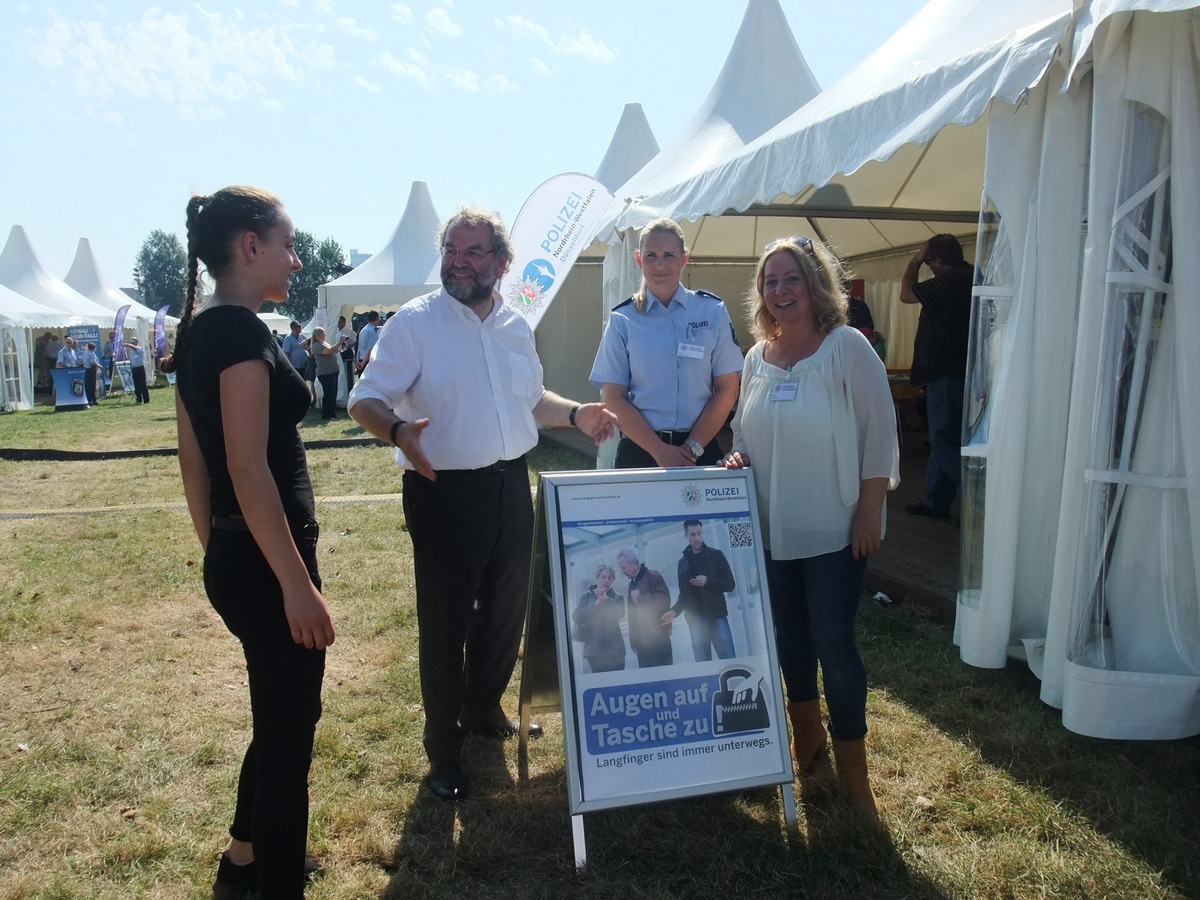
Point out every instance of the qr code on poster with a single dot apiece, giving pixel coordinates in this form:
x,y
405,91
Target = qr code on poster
x,y
740,535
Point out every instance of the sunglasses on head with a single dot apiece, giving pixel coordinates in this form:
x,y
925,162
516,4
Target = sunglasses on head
x,y
802,242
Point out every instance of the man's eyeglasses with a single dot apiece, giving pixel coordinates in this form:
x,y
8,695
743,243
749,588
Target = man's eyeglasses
x,y
472,254
802,242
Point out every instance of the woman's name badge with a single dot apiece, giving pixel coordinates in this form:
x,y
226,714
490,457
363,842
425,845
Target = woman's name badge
x,y
691,351
784,392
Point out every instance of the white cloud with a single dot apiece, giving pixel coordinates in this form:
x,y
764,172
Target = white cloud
x,y
583,44
196,63
500,83
524,26
463,79
416,67
352,28
538,66
439,20
367,85
402,13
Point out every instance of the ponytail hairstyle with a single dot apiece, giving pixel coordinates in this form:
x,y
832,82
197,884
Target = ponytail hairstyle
x,y
665,226
214,224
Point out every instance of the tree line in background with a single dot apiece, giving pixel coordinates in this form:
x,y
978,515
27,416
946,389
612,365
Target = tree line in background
x,y
160,274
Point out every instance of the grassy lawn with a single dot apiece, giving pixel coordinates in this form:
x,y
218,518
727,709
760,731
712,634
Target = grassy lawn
x,y
123,716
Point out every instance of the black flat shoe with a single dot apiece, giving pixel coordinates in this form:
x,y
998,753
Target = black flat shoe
x,y
447,781
502,731
235,882
920,509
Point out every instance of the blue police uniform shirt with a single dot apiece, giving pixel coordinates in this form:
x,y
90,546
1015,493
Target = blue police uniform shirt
x,y
668,356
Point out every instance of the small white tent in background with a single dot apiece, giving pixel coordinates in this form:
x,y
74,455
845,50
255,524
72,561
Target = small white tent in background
x,y
20,320
569,332
22,271
85,277
394,275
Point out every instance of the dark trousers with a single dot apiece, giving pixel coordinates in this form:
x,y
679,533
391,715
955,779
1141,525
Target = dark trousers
x,y
329,388
89,383
631,456
814,603
472,536
943,472
348,363
139,384
285,704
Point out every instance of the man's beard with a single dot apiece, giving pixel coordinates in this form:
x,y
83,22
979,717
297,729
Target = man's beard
x,y
468,294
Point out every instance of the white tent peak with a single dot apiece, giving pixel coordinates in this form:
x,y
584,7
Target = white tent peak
x,y
632,146
85,277
409,254
764,79
22,271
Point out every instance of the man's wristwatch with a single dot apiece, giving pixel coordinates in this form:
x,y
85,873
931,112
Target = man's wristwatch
x,y
694,448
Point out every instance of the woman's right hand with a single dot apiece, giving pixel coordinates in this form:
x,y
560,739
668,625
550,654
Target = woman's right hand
x,y
736,460
672,457
308,617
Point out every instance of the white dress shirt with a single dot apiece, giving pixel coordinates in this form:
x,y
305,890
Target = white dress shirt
x,y
476,381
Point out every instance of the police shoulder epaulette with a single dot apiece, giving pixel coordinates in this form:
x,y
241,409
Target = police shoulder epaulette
x,y
709,294
623,303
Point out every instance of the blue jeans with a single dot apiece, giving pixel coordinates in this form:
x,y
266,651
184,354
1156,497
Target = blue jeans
x,y
943,474
814,603
709,634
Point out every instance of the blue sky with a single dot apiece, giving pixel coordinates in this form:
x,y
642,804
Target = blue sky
x,y
115,113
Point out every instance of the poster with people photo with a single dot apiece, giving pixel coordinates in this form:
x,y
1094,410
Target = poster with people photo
x,y
668,681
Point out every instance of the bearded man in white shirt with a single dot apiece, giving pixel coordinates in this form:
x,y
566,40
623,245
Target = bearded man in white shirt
x,y
455,384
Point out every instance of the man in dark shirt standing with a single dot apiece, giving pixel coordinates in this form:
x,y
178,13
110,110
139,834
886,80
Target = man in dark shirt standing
x,y
940,362
704,579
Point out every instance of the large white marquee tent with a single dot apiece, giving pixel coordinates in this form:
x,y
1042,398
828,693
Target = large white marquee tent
x,y
1060,123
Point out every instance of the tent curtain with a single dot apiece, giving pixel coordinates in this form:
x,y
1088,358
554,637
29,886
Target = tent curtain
x,y
16,369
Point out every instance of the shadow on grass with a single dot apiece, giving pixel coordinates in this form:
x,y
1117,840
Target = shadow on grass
x,y
1144,795
514,840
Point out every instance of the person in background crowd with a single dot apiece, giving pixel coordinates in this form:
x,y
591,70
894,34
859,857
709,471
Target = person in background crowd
x,y
815,419
367,339
248,490
346,339
137,368
107,355
91,370
879,345
940,362
68,356
327,359
668,364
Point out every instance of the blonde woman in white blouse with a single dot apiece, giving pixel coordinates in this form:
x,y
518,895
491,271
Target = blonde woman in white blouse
x,y
815,419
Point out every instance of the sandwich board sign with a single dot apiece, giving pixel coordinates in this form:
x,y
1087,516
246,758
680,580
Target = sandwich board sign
x,y
649,626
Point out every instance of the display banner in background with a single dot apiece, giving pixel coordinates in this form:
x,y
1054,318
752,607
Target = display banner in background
x,y
119,337
646,716
160,332
553,227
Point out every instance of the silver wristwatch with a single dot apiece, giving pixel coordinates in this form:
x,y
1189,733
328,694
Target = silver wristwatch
x,y
695,447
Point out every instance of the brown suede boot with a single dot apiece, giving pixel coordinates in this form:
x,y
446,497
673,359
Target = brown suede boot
x,y
808,734
851,759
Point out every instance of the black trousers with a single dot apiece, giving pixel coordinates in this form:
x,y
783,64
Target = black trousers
x,y
631,456
89,384
329,387
139,384
472,536
285,705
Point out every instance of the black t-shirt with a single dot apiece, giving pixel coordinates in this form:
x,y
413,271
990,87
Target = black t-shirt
x,y
940,348
223,336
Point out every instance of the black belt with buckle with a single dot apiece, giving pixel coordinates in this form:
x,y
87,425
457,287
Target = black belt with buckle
x,y
674,438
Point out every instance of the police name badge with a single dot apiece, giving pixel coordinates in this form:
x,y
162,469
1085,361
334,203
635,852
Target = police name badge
x,y
691,351
783,392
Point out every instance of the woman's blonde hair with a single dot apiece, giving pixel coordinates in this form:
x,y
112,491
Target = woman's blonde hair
x,y
824,279
664,226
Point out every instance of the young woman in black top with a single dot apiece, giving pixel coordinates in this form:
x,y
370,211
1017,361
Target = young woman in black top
x,y
245,475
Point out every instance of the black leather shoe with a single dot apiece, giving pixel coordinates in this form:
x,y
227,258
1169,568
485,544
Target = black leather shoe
x,y
920,509
447,781
502,731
